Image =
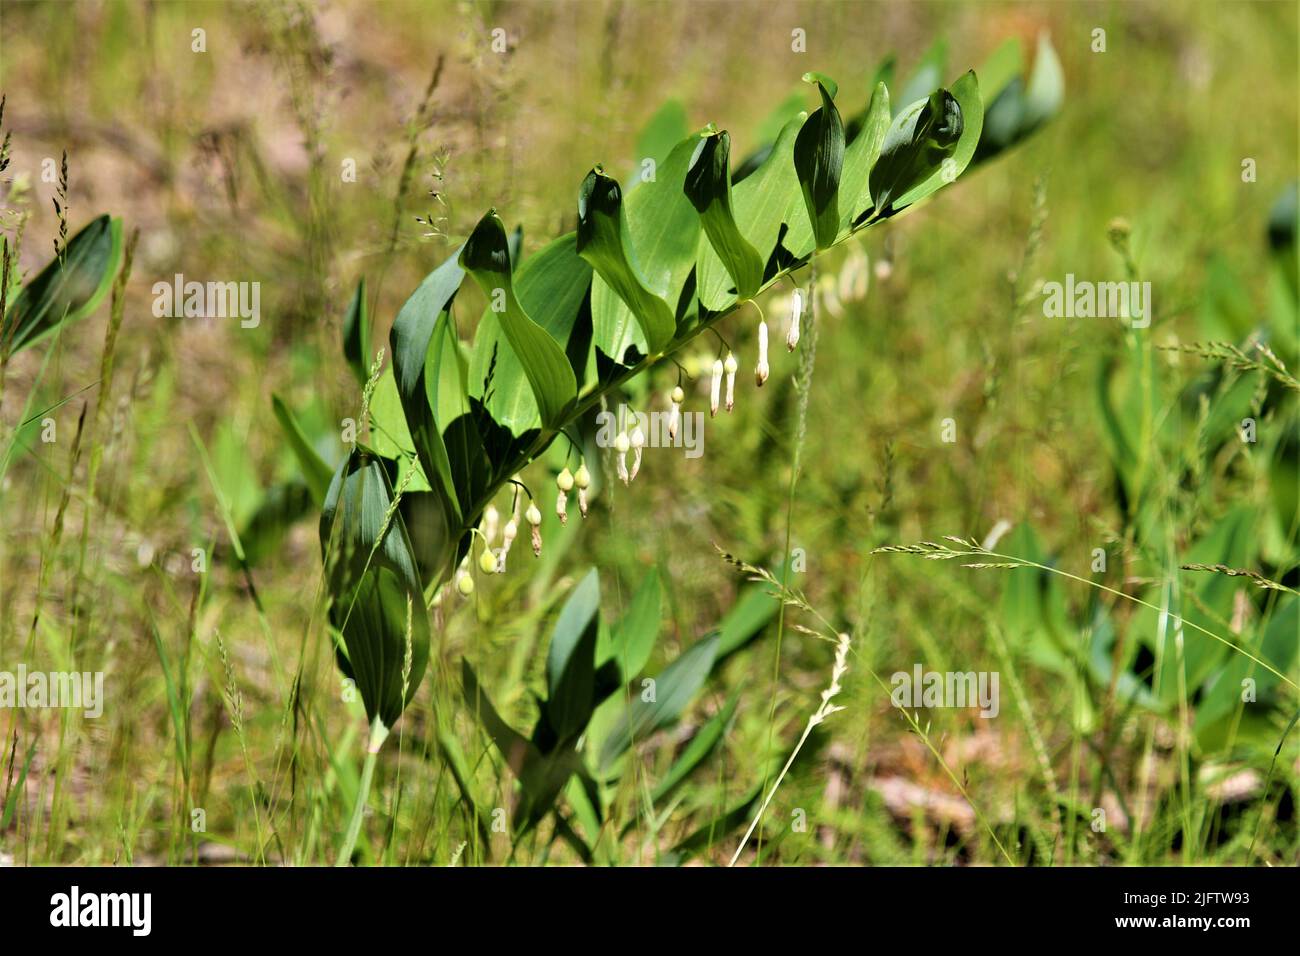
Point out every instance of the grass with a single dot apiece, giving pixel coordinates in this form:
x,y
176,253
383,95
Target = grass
x,y
223,694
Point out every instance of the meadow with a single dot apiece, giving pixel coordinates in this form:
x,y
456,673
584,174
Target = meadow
x,y
991,569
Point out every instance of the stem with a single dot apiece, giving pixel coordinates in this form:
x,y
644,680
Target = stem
x,y
771,793
378,733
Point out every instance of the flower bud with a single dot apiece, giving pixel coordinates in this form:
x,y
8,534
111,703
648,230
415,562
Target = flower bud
x,y
621,445
731,366
638,442
534,518
796,310
854,276
563,481
507,539
583,480
487,562
464,584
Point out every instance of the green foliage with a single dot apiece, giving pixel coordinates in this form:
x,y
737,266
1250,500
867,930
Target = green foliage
x,y
641,254
644,274
356,333
587,663
379,609
68,289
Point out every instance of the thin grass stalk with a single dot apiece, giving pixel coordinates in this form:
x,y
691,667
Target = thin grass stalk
x,y
803,384
823,711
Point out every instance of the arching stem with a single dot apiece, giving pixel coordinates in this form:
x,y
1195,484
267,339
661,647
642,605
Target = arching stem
x,y
378,734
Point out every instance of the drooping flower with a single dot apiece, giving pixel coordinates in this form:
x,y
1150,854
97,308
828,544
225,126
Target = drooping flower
x,y
508,535
761,369
534,518
855,275
715,388
796,310
731,365
563,481
507,539
583,480
638,442
676,398
827,296
621,445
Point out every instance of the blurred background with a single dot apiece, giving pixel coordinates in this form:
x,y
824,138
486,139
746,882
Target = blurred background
x,y
1072,436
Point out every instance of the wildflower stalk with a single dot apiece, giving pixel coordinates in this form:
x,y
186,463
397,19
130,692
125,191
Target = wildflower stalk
x,y
378,734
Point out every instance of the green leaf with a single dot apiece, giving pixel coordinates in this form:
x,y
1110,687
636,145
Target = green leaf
x,y
389,434
1046,90
928,146
660,134
541,777
1232,541
633,639
422,341
487,258
514,746
552,288
1277,646
315,471
68,289
571,660
819,163
604,241
356,334
1015,108
861,156
674,689
453,756
702,744
708,186
374,587
746,619
279,509
1003,65
763,202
